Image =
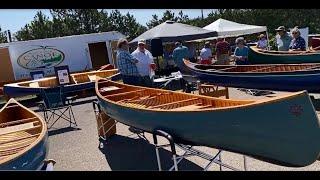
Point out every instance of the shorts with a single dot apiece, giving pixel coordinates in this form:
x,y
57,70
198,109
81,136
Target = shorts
x,y
223,59
206,61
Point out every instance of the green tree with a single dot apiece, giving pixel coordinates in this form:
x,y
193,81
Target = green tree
x,y
3,37
40,27
168,15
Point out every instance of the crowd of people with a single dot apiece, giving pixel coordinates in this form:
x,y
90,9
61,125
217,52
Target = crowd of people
x,y
138,67
285,42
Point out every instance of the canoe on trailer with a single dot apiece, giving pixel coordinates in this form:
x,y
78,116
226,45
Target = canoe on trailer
x,y
79,81
280,77
290,137
23,138
258,56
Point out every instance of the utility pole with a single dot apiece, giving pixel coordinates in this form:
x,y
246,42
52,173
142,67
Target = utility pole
x,y
202,13
8,34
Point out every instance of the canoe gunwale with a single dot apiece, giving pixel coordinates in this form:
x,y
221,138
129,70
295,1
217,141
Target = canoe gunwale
x,y
41,136
192,66
269,53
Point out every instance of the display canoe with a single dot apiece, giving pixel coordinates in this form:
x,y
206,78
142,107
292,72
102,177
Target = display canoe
x,y
23,138
280,77
288,137
79,82
259,56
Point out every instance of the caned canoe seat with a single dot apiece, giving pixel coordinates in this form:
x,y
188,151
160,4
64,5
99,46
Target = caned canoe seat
x,y
34,85
92,77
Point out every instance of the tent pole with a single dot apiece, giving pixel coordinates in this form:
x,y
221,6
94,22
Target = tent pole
x,y
268,48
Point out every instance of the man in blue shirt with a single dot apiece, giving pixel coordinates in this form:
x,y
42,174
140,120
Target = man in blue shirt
x,y
127,64
179,53
283,39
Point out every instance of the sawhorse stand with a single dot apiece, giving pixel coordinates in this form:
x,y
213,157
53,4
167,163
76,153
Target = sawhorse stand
x,y
189,151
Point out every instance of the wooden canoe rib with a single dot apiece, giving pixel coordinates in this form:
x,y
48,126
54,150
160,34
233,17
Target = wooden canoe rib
x,y
79,81
243,126
21,134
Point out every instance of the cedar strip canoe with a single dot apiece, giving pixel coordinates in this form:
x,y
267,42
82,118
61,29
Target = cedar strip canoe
x,y
79,82
279,77
23,138
258,56
289,137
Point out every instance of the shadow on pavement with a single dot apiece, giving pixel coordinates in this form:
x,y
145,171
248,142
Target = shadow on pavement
x,y
124,153
62,130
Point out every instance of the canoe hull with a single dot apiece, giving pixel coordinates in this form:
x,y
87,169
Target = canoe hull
x,y
17,91
298,82
30,160
269,58
14,90
248,130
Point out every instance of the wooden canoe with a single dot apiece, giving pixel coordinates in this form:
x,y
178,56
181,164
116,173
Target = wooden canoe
x,y
289,137
281,77
79,82
23,138
258,56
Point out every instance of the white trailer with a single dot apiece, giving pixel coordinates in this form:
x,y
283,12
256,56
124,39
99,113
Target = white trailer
x,y
79,52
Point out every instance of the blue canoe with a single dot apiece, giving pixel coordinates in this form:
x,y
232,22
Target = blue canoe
x,y
289,137
279,77
23,138
79,82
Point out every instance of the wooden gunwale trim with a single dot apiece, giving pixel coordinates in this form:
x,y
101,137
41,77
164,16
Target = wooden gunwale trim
x,y
285,53
18,121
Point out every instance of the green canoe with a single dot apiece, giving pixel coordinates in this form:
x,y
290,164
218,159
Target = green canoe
x,y
258,56
282,130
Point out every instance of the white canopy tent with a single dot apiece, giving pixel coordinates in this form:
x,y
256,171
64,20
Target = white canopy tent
x,y
227,28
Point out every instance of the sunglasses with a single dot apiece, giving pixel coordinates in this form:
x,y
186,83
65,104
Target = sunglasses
x,y
294,33
141,44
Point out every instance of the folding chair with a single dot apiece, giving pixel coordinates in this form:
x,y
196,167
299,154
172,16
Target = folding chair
x,y
56,106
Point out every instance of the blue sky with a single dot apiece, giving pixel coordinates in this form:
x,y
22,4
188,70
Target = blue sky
x,y
14,19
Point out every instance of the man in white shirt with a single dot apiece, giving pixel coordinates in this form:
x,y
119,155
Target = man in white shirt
x,y
206,54
146,64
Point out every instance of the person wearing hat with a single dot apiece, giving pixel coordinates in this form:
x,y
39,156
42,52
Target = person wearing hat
x,y
262,43
146,64
179,53
206,54
298,43
241,52
127,64
283,39
222,52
